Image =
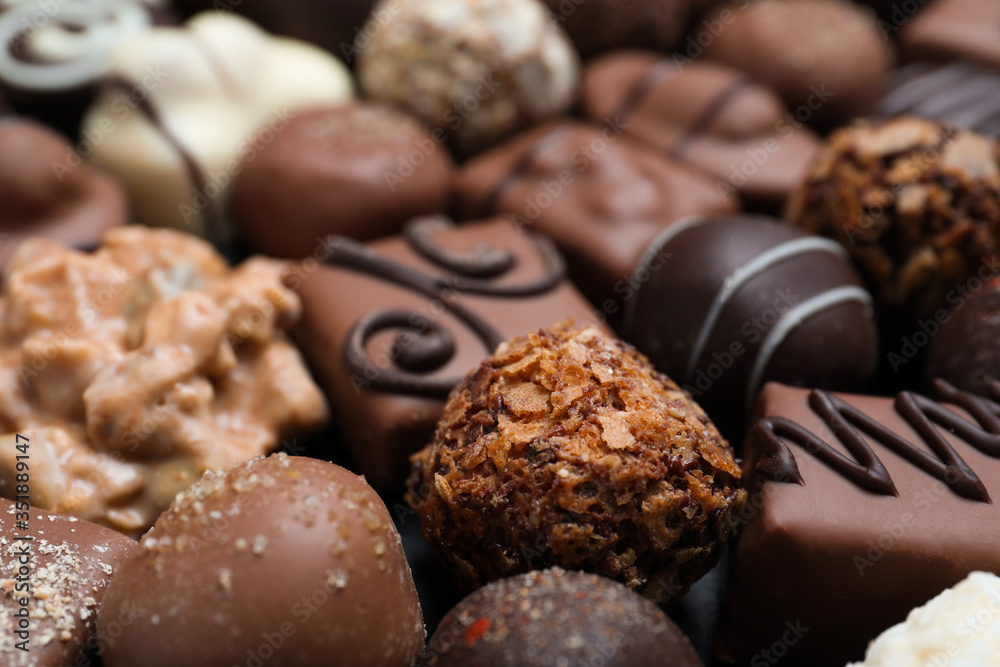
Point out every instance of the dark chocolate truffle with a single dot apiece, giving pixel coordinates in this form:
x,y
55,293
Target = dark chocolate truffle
x,y
600,25
957,92
726,304
54,571
827,56
915,203
567,448
966,349
332,25
554,618
708,115
283,560
358,170
47,190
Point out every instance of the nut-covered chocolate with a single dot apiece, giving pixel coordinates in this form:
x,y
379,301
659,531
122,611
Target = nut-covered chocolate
x,y
551,618
567,448
281,560
47,190
826,58
184,108
725,304
477,70
600,25
54,571
135,368
705,114
916,204
357,170
965,350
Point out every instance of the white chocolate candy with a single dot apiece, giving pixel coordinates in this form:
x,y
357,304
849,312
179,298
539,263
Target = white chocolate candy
x,y
958,628
186,107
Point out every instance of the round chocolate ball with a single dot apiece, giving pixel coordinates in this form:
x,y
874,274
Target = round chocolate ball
x,y
826,58
477,70
726,304
915,203
279,560
567,448
966,349
359,170
552,618
601,25
48,190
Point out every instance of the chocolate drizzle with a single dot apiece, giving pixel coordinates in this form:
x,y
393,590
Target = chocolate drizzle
x,y
551,138
923,415
424,345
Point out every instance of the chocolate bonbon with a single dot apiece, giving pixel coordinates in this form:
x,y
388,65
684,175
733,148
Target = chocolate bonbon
x,y
708,115
916,203
824,56
279,560
49,191
553,617
54,572
964,349
359,170
958,92
567,448
478,70
391,327
860,508
728,303
947,29
136,367
184,107
599,195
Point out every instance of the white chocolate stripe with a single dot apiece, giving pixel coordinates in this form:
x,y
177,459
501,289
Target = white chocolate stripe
x,y
793,318
743,274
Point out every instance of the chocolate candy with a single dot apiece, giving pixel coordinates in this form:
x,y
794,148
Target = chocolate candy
x,y
947,29
54,55
567,448
964,350
359,170
48,190
914,202
391,327
725,304
280,560
478,70
601,25
705,114
331,25
184,108
860,508
554,617
826,58
54,571
600,196
958,627
958,92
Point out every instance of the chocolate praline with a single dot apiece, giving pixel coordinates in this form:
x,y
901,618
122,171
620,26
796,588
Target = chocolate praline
x,y
284,560
551,618
358,170
965,350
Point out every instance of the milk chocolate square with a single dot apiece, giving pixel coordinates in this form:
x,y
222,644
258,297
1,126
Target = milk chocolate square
x,y
860,509
391,326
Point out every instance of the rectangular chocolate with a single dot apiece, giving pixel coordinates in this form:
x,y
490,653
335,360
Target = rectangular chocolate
x,y
860,509
391,326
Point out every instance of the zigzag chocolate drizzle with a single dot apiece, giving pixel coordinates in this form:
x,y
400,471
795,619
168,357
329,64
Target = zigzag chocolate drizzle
x,y
848,423
423,345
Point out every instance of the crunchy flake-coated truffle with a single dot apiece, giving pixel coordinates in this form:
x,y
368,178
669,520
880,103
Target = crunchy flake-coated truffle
x,y
916,204
554,618
279,561
476,69
567,448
